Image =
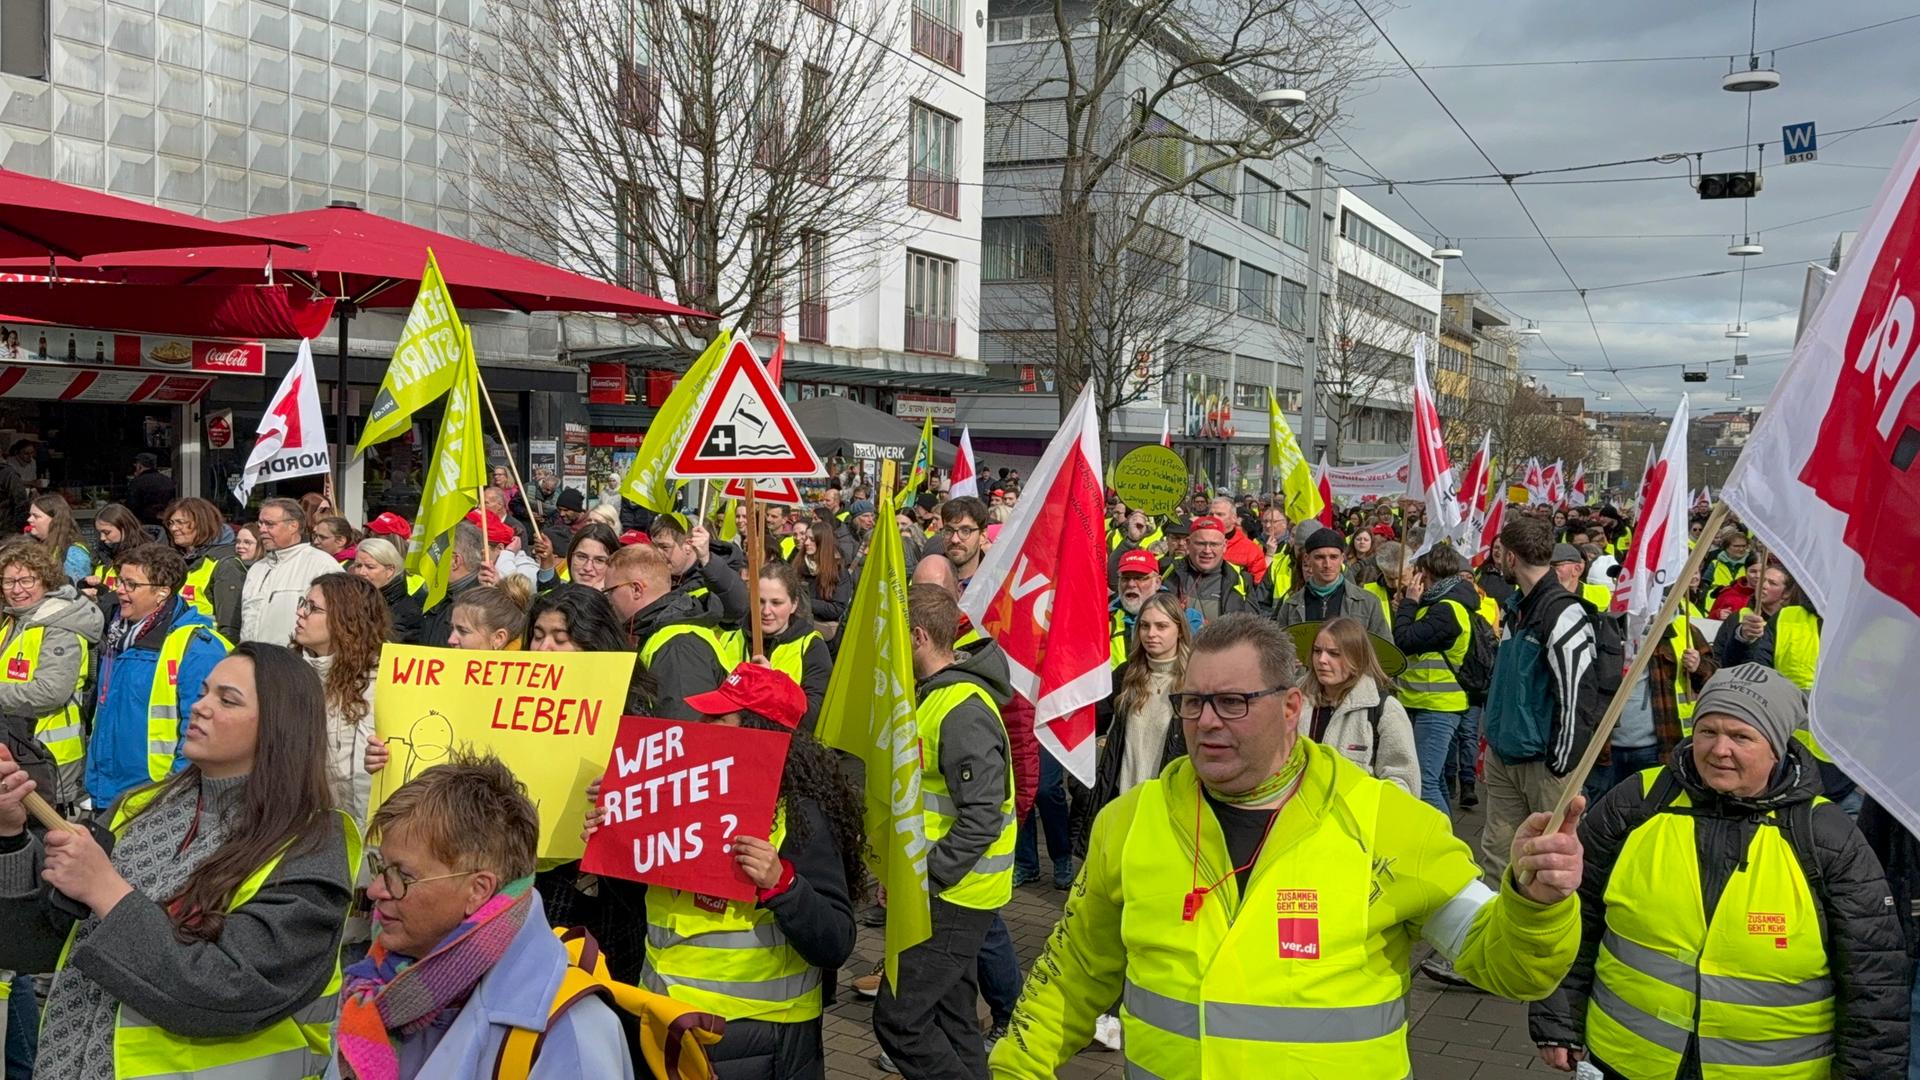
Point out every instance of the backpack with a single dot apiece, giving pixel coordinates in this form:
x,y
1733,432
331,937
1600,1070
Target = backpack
x,y
1475,671
673,1037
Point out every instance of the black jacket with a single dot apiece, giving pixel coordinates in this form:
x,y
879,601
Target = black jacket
x,y
718,586
1438,629
974,757
1866,949
405,608
686,664
436,626
1222,585
816,663
829,608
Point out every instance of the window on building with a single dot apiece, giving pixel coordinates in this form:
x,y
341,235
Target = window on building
x,y
1363,233
632,261
1256,292
813,287
1162,147
696,120
1153,259
930,322
1249,396
814,132
1260,202
1364,299
822,8
1015,249
933,173
699,272
1293,304
769,106
1298,217
1026,132
1214,184
1209,277
640,97
23,38
936,31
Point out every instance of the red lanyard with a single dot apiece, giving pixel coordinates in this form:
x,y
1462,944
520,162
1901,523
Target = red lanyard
x,y
1190,907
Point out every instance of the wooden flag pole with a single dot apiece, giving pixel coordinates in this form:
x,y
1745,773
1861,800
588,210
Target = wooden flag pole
x,y
480,505
513,466
755,540
43,811
1578,777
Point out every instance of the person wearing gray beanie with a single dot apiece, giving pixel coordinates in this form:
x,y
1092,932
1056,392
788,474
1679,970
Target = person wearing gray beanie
x,y
1759,697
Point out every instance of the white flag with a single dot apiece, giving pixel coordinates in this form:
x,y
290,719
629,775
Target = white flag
x,y
292,440
1659,548
1828,480
1430,479
964,477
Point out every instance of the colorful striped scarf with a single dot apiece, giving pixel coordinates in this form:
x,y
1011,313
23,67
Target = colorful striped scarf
x,y
387,997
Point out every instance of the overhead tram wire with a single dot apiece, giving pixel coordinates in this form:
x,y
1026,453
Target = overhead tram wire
x,y
1524,208
1573,61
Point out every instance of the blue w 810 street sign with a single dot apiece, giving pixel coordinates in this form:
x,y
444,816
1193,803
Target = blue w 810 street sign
x,y
1800,142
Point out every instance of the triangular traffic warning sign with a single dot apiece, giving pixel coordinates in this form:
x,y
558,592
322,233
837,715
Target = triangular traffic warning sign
x,y
743,428
780,490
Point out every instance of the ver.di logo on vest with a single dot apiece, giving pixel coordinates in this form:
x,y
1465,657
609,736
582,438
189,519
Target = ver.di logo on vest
x,y
1299,923
1768,924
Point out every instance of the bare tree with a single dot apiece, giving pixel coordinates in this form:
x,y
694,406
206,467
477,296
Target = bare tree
x,y
730,149
1144,104
1367,338
1528,426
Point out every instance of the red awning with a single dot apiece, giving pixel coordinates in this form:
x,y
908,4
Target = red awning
x,y
42,218
375,262
236,311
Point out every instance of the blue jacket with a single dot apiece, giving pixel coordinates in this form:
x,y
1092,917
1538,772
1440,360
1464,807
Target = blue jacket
x,y
117,752
586,1041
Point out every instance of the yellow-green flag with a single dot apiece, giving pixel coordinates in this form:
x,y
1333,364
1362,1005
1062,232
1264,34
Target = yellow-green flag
x,y
452,488
647,482
1285,461
425,363
869,712
922,463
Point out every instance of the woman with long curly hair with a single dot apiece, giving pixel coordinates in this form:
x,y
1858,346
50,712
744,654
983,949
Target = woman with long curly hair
x,y
211,931
338,628
809,874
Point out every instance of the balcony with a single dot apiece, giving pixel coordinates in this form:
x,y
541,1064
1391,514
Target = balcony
x,y
935,39
770,315
929,335
822,8
640,98
813,320
933,192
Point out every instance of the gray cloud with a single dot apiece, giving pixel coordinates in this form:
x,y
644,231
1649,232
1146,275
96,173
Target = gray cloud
x,y
1552,117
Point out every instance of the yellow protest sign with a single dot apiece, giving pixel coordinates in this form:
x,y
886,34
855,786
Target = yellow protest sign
x,y
551,717
1151,479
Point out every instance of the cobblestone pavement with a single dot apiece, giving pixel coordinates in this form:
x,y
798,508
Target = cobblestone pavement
x,y
1456,1034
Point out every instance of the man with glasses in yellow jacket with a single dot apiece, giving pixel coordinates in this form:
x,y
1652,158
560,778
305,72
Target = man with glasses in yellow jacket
x,y
1255,908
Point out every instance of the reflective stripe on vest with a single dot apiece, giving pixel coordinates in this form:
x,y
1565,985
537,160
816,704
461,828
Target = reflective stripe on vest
x,y
1752,987
1209,997
990,883
163,702
293,1048
60,730
725,652
1429,678
733,961
789,657
198,590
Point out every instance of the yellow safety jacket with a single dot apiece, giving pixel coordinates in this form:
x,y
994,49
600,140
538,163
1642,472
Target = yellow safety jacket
x,y
294,1048
1680,639
197,591
1753,985
59,731
1796,654
1490,611
1379,592
107,575
1723,576
990,883
1429,679
725,644
1119,639
728,957
789,657
1600,596
163,700
1280,574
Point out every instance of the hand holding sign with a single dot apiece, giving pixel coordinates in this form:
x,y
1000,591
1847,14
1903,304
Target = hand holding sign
x,y
674,799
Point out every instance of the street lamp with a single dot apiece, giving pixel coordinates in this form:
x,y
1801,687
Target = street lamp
x,y
1286,97
1746,247
1752,80
1447,251
1532,329
1739,330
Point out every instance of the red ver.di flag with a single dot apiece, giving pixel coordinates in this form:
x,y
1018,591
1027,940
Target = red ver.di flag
x,y
1658,551
1430,480
1829,479
675,795
1041,592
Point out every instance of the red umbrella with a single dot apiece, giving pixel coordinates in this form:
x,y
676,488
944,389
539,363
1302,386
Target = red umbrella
x,y
227,311
370,261
42,218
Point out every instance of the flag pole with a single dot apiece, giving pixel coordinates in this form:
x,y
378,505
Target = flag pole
x,y
756,532
1578,777
533,504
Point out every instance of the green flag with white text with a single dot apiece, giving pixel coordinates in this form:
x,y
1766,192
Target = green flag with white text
x,y
452,488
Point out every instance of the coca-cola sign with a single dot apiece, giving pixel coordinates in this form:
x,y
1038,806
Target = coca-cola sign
x,y
81,347
237,357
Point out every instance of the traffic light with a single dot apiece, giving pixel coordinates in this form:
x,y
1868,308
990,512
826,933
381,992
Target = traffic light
x,y
1729,185
1693,376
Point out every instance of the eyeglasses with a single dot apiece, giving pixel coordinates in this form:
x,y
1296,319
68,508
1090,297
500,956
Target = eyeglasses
x,y
1227,705
398,881
127,584
307,607
964,532
592,560
14,583
611,589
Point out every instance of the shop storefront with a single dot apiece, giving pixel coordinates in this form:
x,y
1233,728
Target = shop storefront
x,y
90,400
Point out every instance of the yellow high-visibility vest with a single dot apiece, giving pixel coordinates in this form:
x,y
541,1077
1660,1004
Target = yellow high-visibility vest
x,y
163,700
990,883
1429,679
59,731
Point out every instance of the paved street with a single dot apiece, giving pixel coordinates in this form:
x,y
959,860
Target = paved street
x,y
1456,1034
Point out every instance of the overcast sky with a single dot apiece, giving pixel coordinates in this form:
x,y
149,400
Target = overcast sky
x,y
1551,117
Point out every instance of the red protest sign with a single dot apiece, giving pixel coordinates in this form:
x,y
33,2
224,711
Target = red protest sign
x,y
674,796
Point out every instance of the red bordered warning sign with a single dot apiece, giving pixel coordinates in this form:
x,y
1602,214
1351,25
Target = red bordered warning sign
x,y
781,490
744,428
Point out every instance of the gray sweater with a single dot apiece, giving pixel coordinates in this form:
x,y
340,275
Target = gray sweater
x,y
274,956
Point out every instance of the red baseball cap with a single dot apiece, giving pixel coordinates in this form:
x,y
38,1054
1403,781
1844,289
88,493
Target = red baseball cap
x,y
498,532
634,536
757,689
1208,522
1138,561
391,524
